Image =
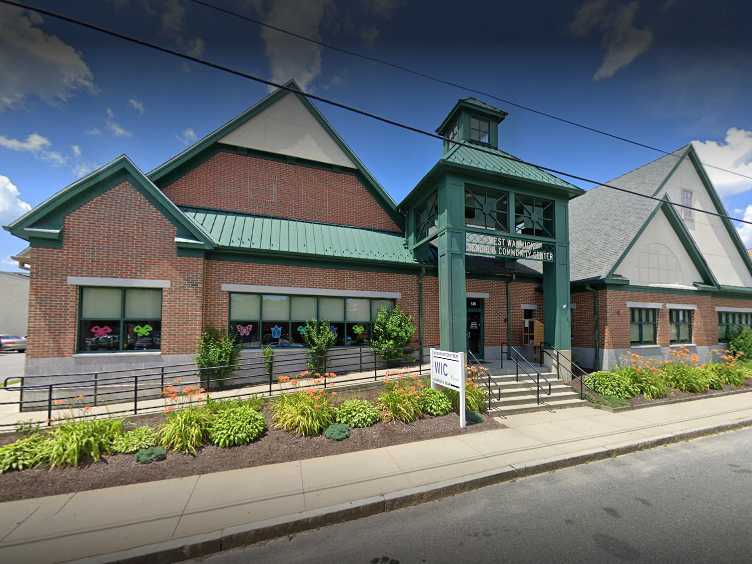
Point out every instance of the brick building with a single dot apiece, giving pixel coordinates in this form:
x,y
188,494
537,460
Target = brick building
x,y
271,220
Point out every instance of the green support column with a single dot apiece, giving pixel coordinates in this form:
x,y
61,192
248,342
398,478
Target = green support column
x,y
451,242
557,309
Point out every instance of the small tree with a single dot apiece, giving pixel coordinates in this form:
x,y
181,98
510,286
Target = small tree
x,y
216,356
319,338
741,342
392,331
268,353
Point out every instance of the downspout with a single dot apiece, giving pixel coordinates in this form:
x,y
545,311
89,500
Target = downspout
x,y
509,318
596,328
420,312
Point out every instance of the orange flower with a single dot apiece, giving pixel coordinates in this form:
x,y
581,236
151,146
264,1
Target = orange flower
x,y
58,402
283,379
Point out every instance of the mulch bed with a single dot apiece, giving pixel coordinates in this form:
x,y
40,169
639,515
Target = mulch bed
x,y
275,446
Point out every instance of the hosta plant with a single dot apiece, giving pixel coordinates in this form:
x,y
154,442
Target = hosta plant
x,y
236,425
434,402
24,453
357,413
135,440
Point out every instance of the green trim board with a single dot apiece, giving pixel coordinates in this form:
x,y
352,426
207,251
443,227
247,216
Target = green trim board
x,y
197,149
46,220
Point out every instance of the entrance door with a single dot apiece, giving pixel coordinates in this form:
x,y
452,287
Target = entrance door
x,y
475,326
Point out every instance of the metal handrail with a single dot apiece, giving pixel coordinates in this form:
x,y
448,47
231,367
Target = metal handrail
x,y
571,363
149,386
517,356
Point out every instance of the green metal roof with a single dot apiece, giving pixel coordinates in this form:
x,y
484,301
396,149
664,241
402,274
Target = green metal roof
x,y
257,233
502,163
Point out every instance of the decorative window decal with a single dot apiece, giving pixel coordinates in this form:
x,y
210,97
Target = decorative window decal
x,y
244,330
101,331
143,330
276,332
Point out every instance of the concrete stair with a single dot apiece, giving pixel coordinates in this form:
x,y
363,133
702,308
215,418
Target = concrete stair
x,y
510,396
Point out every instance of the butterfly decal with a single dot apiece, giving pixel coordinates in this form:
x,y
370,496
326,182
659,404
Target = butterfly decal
x,y
276,332
244,330
143,330
302,329
101,331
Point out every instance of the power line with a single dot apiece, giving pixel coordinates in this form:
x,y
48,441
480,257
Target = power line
x,y
451,83
342,106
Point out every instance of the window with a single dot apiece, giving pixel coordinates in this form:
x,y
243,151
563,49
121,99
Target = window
x,y
643,326
120,319
279,320
480,130
425,217
729,322
533,216
681,325
528,328
486,208
686,200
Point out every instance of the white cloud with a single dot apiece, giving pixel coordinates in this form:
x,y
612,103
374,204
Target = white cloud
x,y
621,41
188,136
137,105
174,26
745,231
93,131
114,127
81,169
290,57
35,63
11,204
76,149
36,144
733,153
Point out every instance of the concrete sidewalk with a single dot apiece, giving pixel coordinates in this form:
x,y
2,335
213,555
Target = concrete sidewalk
x,y
173,519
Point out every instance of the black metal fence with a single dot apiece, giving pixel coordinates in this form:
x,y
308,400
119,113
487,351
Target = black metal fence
x,y
76,395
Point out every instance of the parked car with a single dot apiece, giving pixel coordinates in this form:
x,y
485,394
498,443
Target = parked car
x,y
12,343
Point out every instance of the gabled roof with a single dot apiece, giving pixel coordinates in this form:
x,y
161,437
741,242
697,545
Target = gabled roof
x,y
45,221
243,232
475,105
157,174
501,162
603,222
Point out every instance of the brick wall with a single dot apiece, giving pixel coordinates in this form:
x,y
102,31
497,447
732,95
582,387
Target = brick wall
x,y
615,316
117,234
264,186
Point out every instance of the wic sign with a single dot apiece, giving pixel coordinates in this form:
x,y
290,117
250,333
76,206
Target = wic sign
x,y
448,370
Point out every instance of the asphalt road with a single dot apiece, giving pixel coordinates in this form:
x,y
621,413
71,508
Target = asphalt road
x,y
11,364
688,502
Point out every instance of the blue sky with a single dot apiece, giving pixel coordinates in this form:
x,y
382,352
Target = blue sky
x,y
665,73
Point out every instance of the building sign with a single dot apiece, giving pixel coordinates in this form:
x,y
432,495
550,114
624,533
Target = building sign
x,y
448,370
504,246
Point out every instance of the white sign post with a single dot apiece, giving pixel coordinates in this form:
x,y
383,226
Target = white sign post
x,y
448,369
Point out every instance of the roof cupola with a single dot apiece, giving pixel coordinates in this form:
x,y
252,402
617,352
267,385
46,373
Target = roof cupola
x,y
472,121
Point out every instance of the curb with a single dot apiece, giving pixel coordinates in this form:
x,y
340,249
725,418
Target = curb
x,y
235,537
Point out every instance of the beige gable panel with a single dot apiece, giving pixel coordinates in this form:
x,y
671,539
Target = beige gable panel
x,y
658,257
708,231
288,128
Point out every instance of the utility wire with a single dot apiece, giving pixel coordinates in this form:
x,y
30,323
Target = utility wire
x,y
342,106
451,83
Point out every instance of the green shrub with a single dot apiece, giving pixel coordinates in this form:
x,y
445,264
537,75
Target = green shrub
x,y
268,354
151,454
400,401
78,441
357,413
25,453
476,397
732,373
135,440
617,383
186,430
216,349
236,425
305,413
319,338
742,343
391,333
649,383
337,432
434,402
686,377
473,417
